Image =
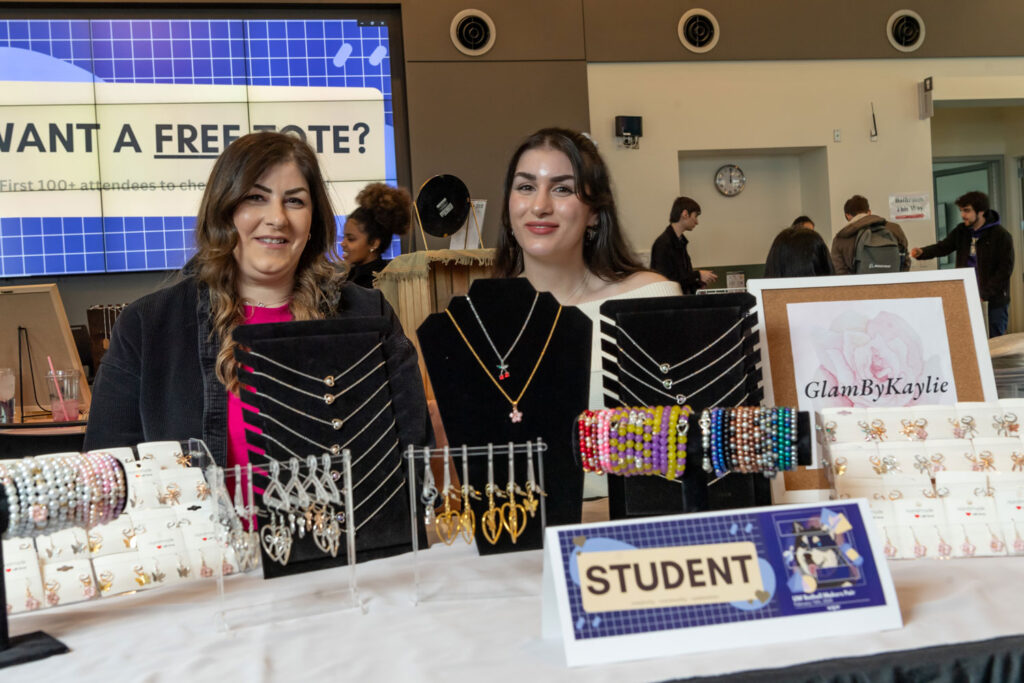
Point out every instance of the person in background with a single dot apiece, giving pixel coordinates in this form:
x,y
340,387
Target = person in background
x,y
798,252
803,222
980,242
669,255
383,211
859,218
265,239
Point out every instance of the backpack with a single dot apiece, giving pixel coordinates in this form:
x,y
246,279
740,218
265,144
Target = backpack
x,y
877,250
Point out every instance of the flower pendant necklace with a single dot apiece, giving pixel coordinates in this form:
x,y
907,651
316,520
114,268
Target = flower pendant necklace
x,y
503,358
516,415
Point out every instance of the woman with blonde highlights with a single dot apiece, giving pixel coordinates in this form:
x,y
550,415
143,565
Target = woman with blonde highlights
x,y
265,252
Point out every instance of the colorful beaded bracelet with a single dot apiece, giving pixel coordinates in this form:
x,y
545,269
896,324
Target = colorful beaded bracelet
x,y
749,439
646,440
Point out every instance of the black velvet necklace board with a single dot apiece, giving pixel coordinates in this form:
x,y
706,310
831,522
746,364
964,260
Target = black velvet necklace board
x,y
711,335
475,413
376,428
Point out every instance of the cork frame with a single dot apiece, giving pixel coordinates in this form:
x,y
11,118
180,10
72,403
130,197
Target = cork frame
x,y
964,322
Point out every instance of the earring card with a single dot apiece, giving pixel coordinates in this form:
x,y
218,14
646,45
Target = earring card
x,y
625,590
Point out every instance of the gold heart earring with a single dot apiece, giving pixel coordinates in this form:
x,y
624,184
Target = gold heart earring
x,y
447,524
490,524
513,514
467,521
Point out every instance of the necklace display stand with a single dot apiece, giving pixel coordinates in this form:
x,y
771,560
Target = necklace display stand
x,y
700,351
326,386
513,505
475,411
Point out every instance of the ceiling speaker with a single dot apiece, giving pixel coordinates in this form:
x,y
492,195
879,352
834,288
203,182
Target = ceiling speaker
x,y
698,30
472,32
905,30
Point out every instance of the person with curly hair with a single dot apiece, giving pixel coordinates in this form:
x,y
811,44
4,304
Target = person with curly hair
x,y
383,212
265,239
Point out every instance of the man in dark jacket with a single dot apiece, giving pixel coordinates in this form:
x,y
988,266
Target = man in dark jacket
x,y
980,242
859,217
668,254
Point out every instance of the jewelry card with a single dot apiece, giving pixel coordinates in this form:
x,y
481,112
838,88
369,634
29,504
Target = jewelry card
x,y
182,487
23,582
143,487
998,454
157,530
165,568
939,422
950,454
971,512
920,521
851,459
840,425
167,455
116,574
123,454
65,583
979,419
63,546
901,458
116,537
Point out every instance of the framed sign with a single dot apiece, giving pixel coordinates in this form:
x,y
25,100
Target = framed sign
x,y
903,339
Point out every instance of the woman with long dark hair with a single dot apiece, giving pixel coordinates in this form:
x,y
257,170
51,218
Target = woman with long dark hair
x,y
798,252
560,230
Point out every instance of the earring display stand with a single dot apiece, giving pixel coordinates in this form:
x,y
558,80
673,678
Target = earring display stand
x,y
326,386
317,493
699,351
29,647
546,368
497,511
37,645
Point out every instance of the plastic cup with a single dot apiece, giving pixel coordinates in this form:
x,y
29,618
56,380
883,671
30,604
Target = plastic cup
x,y
63,404
6,396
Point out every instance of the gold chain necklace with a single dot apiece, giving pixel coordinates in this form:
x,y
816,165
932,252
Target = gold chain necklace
x,y
516,415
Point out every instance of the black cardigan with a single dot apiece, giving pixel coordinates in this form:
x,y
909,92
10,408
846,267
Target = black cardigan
x,y
157,382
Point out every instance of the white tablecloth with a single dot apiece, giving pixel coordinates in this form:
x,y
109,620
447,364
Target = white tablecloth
x,y
172,634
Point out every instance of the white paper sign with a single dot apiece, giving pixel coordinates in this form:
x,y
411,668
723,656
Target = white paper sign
x,y
469,235
911,206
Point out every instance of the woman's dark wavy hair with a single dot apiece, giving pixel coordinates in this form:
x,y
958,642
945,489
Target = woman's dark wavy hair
x,y
234,173
607,253
798,252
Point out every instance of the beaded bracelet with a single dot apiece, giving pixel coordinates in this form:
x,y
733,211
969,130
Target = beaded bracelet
x,y
749,439
635,441
51,493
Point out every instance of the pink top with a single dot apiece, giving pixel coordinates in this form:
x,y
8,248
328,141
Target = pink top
x,y
238,451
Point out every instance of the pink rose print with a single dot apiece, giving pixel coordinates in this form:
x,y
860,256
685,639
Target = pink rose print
x,y
860,352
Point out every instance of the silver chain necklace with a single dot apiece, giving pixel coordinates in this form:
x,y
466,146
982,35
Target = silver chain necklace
x,y
334,423
503,358
680,399
720,401
669,383
326,398
329,380
665,368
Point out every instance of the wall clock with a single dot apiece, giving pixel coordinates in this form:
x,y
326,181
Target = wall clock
x,y
729,180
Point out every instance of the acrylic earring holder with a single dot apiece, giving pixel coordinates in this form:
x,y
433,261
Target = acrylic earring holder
x,y
449,536
291,598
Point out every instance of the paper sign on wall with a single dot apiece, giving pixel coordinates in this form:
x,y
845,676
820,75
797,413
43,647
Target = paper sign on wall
x,y
616,591
910,206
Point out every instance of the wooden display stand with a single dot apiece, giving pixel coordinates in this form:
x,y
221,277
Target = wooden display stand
x,y
36,312
423,282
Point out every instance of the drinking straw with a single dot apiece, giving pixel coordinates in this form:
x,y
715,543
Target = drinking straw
x,y
60,396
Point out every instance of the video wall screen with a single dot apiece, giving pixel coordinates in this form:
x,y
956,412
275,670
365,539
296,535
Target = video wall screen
x,y
109,128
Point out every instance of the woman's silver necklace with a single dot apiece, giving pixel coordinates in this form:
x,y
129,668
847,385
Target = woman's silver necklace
x,y
260,304
503,357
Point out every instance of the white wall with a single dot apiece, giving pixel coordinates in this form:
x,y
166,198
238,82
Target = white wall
x,y
690,107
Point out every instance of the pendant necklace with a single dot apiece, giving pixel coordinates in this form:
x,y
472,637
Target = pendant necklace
x,y
665,368
503,358
516,415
